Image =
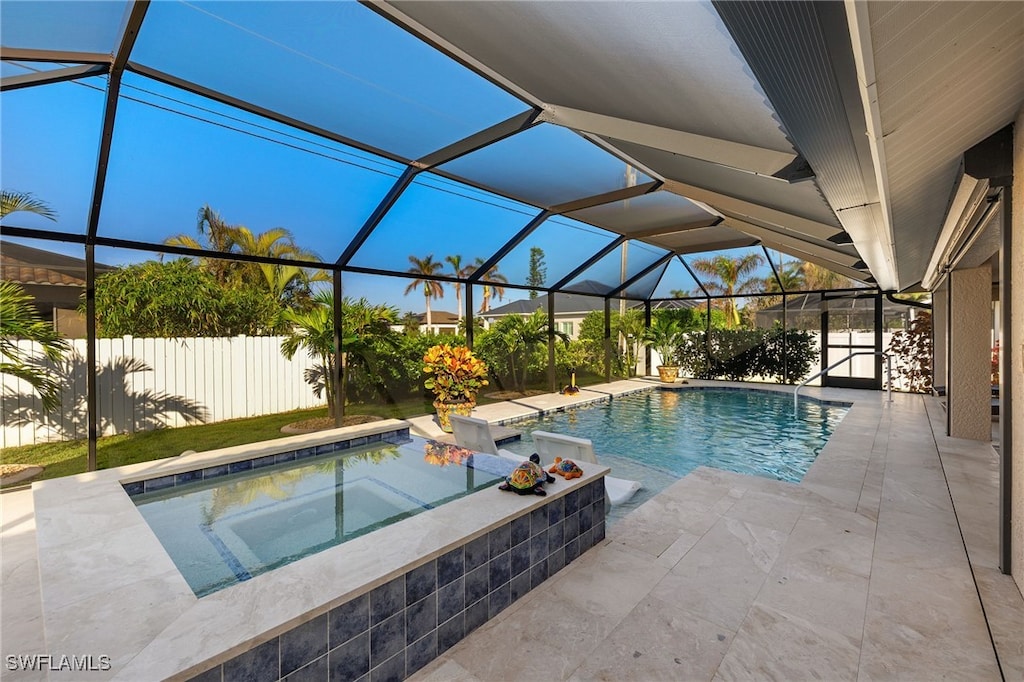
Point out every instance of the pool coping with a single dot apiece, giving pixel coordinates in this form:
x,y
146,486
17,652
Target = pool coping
x,y
101,564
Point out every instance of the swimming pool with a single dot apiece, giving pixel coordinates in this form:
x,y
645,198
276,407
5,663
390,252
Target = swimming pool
x,y
660,436
230,528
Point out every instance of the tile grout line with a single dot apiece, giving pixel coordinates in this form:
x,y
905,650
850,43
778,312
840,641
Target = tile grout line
x,y
963,541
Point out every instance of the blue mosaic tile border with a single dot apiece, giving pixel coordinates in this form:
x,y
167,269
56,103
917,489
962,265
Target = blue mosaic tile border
x,y
396,437
397,628
785,393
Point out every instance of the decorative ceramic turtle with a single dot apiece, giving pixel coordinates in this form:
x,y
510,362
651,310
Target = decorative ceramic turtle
x,y
528,478
566,468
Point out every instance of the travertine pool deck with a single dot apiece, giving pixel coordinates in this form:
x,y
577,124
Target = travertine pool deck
x,y
881,564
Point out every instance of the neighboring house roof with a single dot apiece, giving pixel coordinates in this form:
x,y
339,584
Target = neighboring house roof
x,y
27,265
438,317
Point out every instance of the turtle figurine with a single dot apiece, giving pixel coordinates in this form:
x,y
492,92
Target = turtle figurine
x,y
528,478
566,468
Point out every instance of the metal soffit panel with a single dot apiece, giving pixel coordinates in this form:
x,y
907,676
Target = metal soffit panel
x,y
703,239
799,199
665,64
948,75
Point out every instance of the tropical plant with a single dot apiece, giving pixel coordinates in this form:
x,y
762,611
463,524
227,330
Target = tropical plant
x,y
176,298
665,336
511,340
459,271
816,277
493,286
363,327
631,329
912,349
730,278
455,374
19,320
425,269
288,284
12,202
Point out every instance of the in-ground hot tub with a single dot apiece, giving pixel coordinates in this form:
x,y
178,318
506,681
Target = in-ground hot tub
x,y
386,601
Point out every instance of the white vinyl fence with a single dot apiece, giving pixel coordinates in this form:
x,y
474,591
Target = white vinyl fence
x,y
144,384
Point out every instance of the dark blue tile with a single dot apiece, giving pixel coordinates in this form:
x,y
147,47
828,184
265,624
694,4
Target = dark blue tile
x,y
539,547
255,665
520,529
571,527
266,461
586,540
391,670
373,438
339,446
159,483
387,600
284,457
600,507
499,569
596,491
350,660
358,442
244,465
450,566
500,539
538,573
477,553
585,496
211,675
519,586
556,511
349,619
498,600
477,585
420,618
419,582
215,471
420,652
136,488
572,502
476,615
451,599
586,518
556,561
188,477
450,632
325,449
572,550
556,536
520,558
317,671
303,453
599,531
387,639
303,644
538,520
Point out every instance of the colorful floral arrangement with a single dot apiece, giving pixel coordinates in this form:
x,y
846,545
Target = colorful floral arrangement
x,y
455,374
440,454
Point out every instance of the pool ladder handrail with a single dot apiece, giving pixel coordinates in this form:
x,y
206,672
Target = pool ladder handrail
x,y
888,374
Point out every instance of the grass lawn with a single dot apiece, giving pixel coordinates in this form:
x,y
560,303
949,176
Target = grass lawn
x,y
71,457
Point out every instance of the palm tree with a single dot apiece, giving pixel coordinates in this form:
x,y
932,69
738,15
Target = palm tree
x,y
496,279
730,278
518,337
10,202
218,235
426,268
461,271
19,320
817,277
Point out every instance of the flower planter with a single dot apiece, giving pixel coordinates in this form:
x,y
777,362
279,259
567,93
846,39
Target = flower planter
x,y
446,408
668,373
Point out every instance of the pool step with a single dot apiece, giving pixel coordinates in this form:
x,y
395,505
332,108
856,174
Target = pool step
x,y
502,436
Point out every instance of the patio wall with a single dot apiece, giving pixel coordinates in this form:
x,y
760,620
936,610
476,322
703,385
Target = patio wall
x,y
144,384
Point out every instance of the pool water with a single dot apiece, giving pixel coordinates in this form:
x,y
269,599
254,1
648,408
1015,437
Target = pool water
x,y
659,436
229,529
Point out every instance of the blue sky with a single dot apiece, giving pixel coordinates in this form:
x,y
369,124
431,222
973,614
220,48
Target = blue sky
x,y
173,152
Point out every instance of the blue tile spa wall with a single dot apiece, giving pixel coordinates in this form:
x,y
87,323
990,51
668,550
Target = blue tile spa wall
x,y
399,627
